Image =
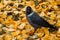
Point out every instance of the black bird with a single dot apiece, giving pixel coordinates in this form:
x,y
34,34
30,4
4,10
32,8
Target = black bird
x,y
36,21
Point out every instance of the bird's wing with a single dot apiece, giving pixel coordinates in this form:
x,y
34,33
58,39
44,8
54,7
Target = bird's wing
x,y
36,19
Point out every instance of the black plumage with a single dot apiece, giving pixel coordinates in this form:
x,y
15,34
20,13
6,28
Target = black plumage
x,y
36,21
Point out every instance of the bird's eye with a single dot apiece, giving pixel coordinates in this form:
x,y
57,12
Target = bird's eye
x,y
28,10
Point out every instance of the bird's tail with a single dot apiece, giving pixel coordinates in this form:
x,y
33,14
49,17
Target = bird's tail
x,y
53,28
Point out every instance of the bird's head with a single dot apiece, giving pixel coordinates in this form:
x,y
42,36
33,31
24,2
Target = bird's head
x,y
28,10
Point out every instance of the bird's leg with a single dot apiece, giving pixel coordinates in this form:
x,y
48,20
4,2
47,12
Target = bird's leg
x,y
33,32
